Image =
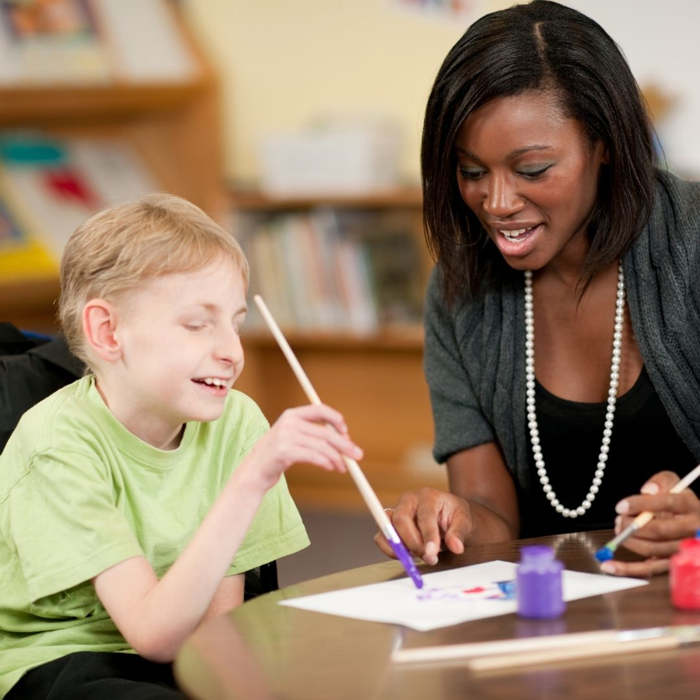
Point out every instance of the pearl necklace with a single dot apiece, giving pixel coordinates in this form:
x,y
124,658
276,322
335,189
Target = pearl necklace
x,y
609,413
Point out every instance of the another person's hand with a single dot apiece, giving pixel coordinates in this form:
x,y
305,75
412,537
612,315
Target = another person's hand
x,y
427,521
676,516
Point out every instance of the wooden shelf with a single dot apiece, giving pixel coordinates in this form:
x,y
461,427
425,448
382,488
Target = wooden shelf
x,y
377,385
30,304
174,127
409,197
42,105
394,338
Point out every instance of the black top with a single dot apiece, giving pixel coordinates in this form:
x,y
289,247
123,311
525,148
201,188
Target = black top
x,y
643,442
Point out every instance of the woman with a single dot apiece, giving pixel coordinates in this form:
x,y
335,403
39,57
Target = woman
x,y
562,341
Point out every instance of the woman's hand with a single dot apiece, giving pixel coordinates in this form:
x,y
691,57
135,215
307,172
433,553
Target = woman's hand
x,y
676,516
428,521
480,507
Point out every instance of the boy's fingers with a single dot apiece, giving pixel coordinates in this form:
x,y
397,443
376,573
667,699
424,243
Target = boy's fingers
x,y
326,433
327,414
316,455
319,413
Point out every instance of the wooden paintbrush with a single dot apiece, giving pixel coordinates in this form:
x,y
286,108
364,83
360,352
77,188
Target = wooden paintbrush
x,y
515,653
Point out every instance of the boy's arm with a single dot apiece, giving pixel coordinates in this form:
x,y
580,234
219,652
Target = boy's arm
x,y
156,616
228,595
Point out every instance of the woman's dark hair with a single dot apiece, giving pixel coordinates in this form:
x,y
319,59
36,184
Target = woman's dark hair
x,y
547,46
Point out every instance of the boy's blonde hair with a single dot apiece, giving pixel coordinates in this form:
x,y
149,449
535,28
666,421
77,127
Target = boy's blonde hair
x,y
119,248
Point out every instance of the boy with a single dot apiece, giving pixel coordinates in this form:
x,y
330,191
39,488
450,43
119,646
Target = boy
x,y
132,501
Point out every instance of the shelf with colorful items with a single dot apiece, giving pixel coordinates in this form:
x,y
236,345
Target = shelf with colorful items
x,y
344,276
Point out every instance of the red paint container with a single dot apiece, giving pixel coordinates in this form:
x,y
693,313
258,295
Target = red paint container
x,y
685,575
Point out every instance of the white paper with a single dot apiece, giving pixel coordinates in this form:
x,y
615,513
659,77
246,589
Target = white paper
x,y
455,601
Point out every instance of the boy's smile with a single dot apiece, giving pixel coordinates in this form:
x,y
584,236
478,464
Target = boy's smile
x,y
180,351
218,386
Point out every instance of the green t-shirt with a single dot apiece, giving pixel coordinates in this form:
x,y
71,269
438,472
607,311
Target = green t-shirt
x,y
80,493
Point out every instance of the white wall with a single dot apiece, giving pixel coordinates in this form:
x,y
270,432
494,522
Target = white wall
x,y
661,41
283,63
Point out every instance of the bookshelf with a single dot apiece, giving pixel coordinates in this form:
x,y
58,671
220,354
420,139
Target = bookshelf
x,y
374,377
172,124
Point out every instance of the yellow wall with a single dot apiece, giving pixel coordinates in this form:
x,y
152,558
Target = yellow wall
x,y
283,62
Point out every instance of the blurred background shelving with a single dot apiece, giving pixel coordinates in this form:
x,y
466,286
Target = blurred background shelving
x,y
167,130
273,119
369,365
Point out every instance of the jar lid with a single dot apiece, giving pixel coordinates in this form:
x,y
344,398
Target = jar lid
x,y
538,553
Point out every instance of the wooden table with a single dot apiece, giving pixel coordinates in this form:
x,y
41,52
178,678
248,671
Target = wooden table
x,y
263,650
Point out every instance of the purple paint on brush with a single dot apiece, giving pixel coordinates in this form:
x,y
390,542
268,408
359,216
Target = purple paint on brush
x,y
405,558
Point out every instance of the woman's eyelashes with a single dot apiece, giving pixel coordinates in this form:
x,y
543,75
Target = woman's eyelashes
x,y
530,172
471,173
534,172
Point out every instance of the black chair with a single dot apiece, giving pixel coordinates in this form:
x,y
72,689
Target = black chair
x,y
32,367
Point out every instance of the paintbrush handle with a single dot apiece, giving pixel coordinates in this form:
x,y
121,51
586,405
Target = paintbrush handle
x,y
506,662
363,486
499,647
640,521
687,480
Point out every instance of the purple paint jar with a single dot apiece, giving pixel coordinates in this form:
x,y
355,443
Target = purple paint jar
x,y
539,583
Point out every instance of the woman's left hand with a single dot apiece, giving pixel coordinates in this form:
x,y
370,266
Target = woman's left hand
x,y
676,517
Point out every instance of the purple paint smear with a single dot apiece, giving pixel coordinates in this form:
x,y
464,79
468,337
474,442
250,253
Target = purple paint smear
x,y
405,558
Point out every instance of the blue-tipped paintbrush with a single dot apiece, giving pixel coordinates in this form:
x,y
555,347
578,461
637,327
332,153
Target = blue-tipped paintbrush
x,y
606,552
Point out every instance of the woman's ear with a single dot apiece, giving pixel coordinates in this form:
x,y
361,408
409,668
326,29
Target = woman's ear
x,y
99,327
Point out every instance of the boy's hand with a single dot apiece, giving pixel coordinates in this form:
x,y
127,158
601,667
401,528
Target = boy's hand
x,y
312,434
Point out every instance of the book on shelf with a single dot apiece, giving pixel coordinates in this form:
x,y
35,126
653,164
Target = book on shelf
x,y
334,270
91,42
49,186
21,253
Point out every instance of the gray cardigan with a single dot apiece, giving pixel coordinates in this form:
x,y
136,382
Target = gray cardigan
x,y
474,353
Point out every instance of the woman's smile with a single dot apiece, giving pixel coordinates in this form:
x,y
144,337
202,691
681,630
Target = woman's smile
x,y
532,213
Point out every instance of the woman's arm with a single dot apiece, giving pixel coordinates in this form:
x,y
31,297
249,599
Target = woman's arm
x,y
481,507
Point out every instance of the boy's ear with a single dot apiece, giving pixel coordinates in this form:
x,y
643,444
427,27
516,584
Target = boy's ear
x,y
99,327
